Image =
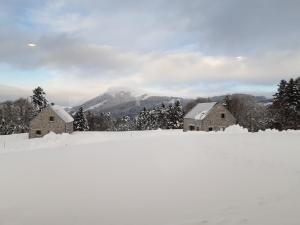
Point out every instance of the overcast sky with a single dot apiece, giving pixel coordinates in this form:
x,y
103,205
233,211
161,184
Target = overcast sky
x,y
77,49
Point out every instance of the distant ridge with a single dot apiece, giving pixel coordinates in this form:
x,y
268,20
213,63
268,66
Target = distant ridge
x,y
125,103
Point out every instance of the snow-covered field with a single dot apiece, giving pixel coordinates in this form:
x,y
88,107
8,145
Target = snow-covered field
x,y
151,178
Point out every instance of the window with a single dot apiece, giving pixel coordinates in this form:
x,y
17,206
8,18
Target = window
x,y
210,129
198,128
51,118
223,115
192,127
38,132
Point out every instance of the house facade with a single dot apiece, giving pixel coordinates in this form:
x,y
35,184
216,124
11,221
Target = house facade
x,y
51,119
211,116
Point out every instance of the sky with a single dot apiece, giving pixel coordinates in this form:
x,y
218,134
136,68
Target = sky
x,y
78,49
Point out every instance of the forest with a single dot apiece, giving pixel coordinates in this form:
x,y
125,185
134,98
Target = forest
x,y
282,113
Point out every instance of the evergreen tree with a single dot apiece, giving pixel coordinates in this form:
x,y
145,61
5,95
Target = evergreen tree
x,y
3,127
80,121
175,116
15,116
286,106
292,95
152,120
298,83
124,124
179,114
7,127
162,116
142,120
100,121
293,104
108,121
280,96
39,100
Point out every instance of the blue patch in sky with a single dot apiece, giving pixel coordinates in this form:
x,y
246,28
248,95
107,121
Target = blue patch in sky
x,y
23,78
223,88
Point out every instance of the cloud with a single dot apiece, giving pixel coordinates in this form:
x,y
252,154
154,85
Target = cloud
x,y
92,68
64,53
182,46
12,93
182,69
215,27
229,27
193,67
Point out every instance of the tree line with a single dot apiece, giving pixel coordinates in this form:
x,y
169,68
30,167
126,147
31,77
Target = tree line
x,y
159,117
16,115
282,114
285,109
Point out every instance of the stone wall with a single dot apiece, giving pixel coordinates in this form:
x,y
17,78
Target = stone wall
x,y
43,124
69,127
191,122
213,120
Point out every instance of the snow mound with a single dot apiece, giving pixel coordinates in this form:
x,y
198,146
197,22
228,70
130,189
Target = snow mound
x,y
50,135
53,136
236,129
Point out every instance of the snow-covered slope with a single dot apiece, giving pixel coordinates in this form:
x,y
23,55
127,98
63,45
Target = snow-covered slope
x,y
151,178
125,102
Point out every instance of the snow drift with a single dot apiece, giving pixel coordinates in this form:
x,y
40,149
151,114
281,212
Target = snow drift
x,y
151,178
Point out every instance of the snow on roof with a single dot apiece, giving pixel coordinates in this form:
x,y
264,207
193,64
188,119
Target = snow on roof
x,y
200,111
62,113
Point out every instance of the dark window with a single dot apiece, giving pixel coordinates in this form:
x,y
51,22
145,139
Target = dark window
x,y
198,128
51,118
38,132
210,129
223,115
192,127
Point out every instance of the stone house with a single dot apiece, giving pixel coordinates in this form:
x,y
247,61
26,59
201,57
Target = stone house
x,y
51,119
211,116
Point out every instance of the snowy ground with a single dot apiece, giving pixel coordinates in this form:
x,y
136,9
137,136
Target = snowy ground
x,y
151,178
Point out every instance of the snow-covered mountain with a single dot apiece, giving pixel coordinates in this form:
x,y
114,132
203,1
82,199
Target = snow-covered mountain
x,y
125,102
128,102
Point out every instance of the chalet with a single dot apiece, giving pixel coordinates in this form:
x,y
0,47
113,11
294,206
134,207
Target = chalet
x,y
211,116
51,119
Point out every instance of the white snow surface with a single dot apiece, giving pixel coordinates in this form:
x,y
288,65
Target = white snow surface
x,y
151,178
62,113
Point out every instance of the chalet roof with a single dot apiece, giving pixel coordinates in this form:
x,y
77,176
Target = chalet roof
x,y
66,117
200,111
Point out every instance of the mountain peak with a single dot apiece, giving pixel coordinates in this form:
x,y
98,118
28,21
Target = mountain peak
x,y
124,101
121,91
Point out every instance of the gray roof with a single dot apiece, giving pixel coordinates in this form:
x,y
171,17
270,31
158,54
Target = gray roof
x,y
200,111
66,117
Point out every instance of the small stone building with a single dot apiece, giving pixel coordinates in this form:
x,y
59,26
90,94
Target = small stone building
x,y
51,119
211,116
